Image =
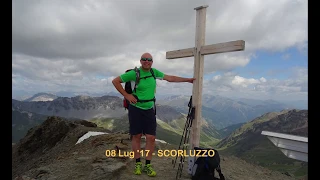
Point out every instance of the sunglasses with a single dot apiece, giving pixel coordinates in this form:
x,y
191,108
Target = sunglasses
x,y
146,59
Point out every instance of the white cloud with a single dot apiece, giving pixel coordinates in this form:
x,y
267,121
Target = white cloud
x,y
240,81
232,85
81,45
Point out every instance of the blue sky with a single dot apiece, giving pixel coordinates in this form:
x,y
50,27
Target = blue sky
x,y
79,46
278,65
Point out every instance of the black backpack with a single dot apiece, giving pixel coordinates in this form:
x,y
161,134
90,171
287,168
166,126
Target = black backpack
x,y
204,167
130,88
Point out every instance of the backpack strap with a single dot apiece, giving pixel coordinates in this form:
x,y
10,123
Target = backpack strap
x,y
152,73
220,173
218,168
206,162
137,78
137,70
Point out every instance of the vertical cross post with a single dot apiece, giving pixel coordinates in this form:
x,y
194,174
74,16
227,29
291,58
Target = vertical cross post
x,y
197,86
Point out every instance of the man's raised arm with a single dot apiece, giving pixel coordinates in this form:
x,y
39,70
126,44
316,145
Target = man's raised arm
x,y
171,78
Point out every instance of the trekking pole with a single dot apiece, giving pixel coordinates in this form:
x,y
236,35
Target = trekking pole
x,y
185,128
182,160
182,137
186,138
183,148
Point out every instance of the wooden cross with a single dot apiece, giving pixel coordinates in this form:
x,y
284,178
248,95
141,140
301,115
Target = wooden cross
x,y
198,52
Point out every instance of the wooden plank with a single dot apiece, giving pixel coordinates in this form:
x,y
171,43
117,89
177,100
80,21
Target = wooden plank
x,y
180,53
198,74
200,7
223,47
208,49
194,140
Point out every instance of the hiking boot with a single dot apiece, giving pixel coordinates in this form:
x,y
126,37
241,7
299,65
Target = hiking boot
x,y
137,168
149,170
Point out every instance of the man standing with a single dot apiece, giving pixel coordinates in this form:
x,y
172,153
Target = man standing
x,y
141,114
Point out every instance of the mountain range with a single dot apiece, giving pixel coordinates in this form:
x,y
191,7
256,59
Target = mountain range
x,y
221,111
219,115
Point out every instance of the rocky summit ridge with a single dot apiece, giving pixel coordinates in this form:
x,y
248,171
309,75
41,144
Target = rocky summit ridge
x,y
50,151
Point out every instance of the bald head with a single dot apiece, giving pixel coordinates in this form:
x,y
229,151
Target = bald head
x,y
146,55
146,61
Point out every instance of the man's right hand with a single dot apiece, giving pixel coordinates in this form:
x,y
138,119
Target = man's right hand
x,y
131,98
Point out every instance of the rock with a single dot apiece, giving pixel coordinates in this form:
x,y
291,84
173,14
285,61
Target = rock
x,y
81,159
103,170
45,136
23,178
85,123
287,173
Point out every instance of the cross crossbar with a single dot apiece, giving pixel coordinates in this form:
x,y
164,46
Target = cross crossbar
x,y
208,49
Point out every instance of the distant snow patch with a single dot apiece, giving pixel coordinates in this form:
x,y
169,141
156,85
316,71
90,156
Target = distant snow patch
x,y
88,134
43,99
161,141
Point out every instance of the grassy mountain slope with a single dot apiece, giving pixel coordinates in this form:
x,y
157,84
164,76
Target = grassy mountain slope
x,y
208,134
248,143
223,112
170,132
228,130
22,122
